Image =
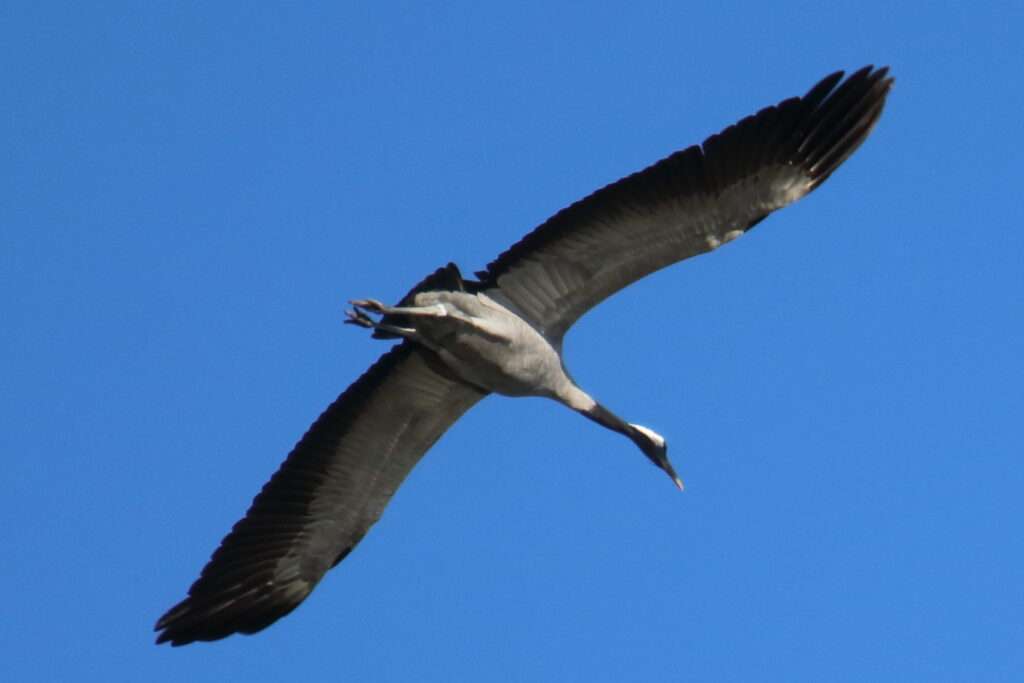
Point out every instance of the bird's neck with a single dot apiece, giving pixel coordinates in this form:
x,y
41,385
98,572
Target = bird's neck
x,y
577,399
606,418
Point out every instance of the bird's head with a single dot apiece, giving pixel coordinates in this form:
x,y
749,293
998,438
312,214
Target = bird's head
x,y
654,447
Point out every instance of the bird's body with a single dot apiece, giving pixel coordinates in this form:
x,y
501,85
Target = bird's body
x,y
462,339
487,345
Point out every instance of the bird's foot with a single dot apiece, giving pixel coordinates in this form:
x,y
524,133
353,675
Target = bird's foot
x,y
357,317
369,304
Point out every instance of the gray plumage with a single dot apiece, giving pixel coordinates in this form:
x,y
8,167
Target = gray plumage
x,y
462,339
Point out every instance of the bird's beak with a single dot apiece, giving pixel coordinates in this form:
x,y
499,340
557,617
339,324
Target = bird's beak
x,y
671,472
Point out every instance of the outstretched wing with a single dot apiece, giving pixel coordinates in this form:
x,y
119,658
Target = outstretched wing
x,y
328,493
686,204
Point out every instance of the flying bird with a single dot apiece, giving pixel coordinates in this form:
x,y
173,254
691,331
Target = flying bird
x,y
461,339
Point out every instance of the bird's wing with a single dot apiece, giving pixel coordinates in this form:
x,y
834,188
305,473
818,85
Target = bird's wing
x,y
686,204
324,498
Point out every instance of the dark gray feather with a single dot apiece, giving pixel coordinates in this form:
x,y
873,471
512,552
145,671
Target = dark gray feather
x,y
328,493
686,203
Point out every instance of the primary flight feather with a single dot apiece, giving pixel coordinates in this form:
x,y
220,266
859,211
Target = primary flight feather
x,y
462,339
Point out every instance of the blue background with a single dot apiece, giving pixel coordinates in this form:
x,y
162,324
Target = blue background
x,y
190,194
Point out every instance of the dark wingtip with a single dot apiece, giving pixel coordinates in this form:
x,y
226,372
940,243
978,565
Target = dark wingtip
x,y
179,626
842,119
193,621
166,626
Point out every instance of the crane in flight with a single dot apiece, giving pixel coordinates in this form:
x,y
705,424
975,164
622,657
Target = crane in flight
x,y
461,339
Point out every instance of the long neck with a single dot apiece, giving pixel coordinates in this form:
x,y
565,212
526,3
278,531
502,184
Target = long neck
x,y
654,451
606,418
652,445
577,399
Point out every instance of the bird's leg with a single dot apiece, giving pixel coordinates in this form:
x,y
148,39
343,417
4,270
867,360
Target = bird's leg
x,y
435,311
359,318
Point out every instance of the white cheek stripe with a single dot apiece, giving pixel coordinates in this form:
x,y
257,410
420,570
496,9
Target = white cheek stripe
x,y
651,434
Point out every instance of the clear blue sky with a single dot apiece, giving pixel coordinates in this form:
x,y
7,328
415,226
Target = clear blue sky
x,y
190,195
